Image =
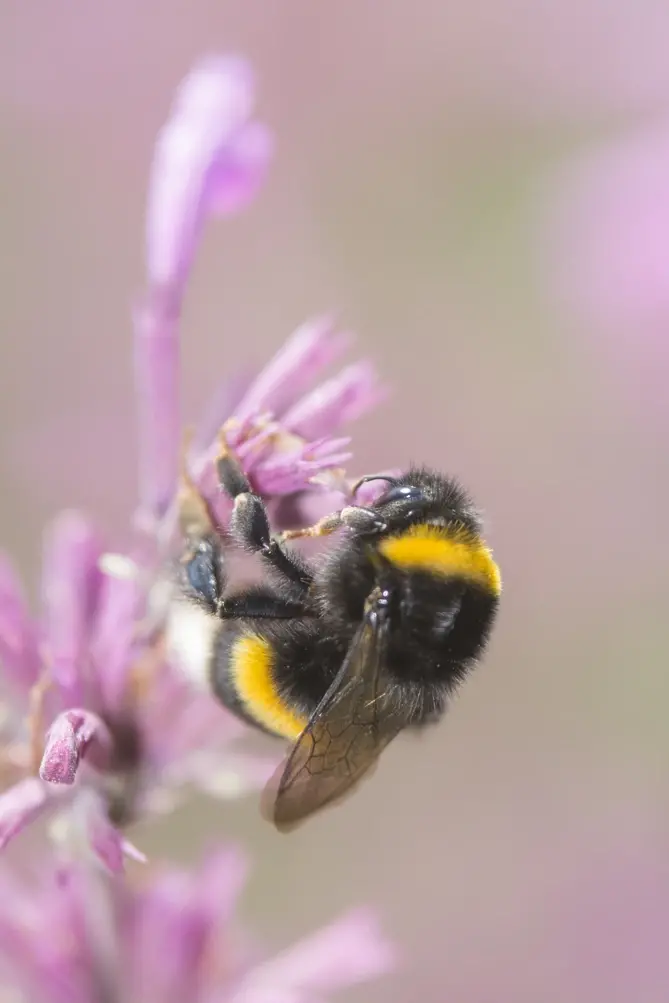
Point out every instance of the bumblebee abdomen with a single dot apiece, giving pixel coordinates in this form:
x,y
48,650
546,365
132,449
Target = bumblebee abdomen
x,y
273,673
244,677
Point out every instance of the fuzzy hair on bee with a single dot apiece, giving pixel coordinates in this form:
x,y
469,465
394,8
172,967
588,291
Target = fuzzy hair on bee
x,y
340,655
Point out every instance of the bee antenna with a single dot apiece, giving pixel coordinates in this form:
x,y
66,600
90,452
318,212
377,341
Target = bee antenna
x,y
372,477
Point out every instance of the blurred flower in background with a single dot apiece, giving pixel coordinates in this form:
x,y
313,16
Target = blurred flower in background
x,y
68,934
123,736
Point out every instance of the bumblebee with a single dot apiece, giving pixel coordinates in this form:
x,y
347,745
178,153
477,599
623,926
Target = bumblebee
x,y
340,656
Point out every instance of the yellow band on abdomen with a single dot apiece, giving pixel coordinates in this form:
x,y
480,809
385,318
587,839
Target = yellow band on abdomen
x,y
251,660
432,549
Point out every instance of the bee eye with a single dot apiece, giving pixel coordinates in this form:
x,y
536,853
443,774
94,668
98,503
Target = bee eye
x,y
202,576
401,492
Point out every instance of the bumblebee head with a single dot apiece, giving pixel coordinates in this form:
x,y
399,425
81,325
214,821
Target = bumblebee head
x,y
420,496
423,524
422,539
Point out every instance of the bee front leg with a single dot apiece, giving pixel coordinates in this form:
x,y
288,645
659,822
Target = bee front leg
x,y
249,523
356,517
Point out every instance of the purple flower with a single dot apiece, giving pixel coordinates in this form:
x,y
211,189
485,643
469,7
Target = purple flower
x,y
211,157
96,726
93,706
123,729
70,935
285,441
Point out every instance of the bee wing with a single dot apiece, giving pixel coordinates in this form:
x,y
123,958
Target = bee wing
x,y
344,737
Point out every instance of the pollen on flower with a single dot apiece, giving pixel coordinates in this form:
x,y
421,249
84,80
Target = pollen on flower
x,y
61,758
118,566
69,739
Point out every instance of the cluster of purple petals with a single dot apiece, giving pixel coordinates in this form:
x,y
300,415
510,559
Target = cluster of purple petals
x,y
92,713
70,934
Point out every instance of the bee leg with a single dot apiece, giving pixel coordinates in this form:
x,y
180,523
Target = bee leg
x,y
330,524
362,520
258,605
249,523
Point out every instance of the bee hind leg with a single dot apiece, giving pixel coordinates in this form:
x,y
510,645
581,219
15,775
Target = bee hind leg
x,y
260,604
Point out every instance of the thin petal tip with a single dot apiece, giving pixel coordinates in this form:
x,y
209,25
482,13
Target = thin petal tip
x,y
19,805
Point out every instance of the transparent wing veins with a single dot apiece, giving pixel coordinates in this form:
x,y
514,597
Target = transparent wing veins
x,y
346,733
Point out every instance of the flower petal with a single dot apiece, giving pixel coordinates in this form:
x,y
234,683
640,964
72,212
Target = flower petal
x,y
108,844
349,951
344,398
113,638
284,475
222,404
133,852
169,940
207,158
71,582
211,106
43,937
319,448
106,841
220,881
19,806
240,172
19,656
156,349
73,735
311,348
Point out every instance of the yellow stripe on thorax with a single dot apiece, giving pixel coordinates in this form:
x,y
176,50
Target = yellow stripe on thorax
x,y
445,553
251,664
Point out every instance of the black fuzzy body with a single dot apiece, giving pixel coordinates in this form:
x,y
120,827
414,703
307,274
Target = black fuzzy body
x,y
439,626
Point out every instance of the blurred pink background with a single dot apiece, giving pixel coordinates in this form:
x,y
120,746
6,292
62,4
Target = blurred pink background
x,y
428,188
